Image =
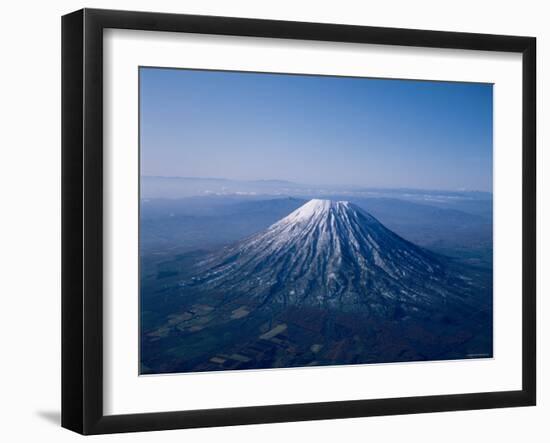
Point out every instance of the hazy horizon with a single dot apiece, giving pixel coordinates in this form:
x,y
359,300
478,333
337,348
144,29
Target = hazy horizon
x,y
316,130
327,185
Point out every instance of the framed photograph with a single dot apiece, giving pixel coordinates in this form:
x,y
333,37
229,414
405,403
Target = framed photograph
x,y
268,221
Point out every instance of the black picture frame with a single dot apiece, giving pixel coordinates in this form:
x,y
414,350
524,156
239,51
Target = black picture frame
x,y
82,218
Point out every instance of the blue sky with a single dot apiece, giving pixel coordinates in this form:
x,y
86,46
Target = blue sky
x,y
316,129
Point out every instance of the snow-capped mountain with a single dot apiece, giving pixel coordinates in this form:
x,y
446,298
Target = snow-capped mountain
x,y
332,254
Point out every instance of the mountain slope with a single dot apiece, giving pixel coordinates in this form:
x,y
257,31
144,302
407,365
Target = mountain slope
x,y
333,255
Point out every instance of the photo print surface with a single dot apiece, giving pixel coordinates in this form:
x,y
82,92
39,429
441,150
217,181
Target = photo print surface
x,y
304,220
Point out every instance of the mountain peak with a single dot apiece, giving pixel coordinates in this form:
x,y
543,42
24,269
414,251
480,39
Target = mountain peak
x,y
325,204
318,204
317,209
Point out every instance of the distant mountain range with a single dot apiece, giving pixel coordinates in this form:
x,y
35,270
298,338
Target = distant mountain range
x,y
182,187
